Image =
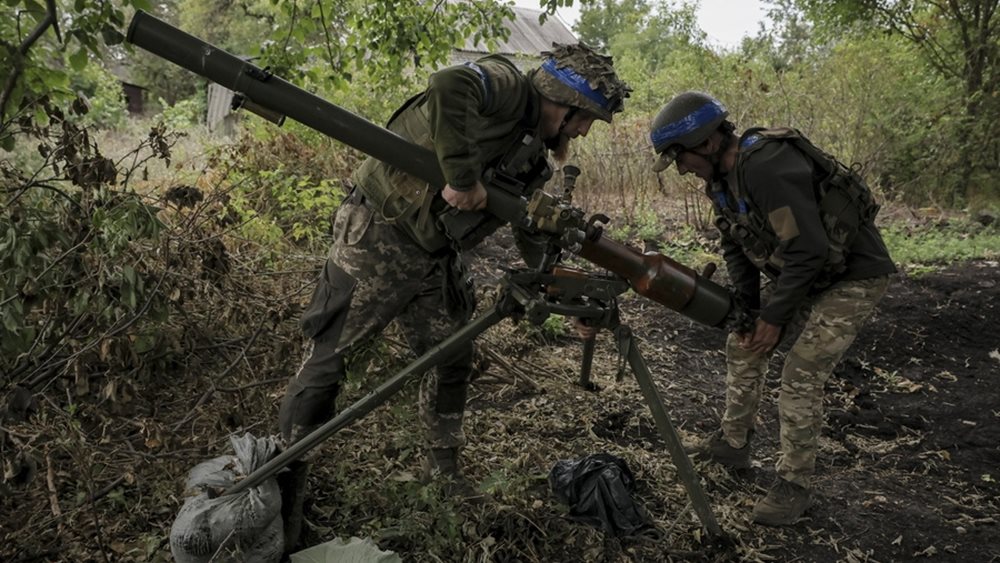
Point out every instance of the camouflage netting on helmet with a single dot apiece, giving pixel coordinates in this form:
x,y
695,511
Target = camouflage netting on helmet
x,y
597,70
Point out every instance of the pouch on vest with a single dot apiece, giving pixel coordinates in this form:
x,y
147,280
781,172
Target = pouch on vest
x,y
756,240
397,196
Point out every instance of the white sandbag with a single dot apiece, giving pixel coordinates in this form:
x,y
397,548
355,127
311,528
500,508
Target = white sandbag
x,y
339,550
244,527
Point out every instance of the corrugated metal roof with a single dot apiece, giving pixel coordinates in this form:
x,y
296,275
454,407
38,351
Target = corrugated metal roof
x,y
527,36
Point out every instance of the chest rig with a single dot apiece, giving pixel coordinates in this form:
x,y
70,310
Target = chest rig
x,y
845,205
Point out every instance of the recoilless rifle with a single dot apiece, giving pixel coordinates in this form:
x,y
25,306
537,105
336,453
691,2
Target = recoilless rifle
x,y
532,294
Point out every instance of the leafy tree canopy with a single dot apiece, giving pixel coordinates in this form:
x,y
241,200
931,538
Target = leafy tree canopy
x,y
960,39
322,43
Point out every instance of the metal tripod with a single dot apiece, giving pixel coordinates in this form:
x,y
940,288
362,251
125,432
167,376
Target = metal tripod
x,y
532,295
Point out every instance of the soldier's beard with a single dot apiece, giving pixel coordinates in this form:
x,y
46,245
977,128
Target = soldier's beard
x,y
559,145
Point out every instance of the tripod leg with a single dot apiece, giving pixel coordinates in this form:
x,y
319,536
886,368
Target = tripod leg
x,y
587,363
368,403
685,470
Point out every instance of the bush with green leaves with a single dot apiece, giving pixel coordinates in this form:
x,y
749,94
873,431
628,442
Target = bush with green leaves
x,y
80,255
864,95
285,186
184,113
103,95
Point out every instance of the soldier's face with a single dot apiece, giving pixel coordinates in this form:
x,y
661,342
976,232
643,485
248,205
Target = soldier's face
x,y
578,125
694,162
553,117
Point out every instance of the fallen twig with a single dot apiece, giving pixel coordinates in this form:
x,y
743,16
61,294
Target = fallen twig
x,y
208,394
516,372
50,480
251,385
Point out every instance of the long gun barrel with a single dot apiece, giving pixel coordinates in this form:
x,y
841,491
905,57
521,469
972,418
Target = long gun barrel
x,y
652,275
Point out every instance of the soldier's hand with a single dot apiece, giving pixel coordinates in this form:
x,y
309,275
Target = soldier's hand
x,y
763,339
473,199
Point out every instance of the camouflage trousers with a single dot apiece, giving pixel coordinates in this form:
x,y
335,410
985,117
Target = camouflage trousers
x,y
375,274
829,323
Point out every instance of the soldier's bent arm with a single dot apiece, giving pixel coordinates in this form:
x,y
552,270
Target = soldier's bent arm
x,y
463,102
744,276
779,182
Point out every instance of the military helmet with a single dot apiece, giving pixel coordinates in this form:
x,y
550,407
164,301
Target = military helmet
x,y
688,119
577,76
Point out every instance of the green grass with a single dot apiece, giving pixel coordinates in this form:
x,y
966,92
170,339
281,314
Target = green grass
x,y
921,249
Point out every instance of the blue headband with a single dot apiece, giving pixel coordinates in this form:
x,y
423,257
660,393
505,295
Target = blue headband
x,y
690,123
570,78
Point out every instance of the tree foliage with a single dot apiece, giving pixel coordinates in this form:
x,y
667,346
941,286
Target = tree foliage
x,y
960,40
646,37
41,46
864,88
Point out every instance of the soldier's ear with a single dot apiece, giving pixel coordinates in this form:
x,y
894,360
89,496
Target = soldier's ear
x,y
712,144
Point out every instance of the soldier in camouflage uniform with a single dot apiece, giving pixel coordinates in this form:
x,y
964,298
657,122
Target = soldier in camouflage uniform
x,y
794,213
396,251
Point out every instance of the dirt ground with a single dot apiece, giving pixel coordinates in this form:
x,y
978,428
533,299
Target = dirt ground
x,y
911,446
910,451
908,469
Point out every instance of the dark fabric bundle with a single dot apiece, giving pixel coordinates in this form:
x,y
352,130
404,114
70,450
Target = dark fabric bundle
x,y
597,488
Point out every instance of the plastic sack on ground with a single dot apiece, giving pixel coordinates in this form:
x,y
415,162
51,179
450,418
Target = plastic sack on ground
x,y
338,550
597,488
244,527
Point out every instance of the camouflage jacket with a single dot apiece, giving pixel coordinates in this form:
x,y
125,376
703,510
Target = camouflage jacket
x,y
471,115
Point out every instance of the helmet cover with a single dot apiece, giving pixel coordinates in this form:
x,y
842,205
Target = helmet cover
x,y
577,76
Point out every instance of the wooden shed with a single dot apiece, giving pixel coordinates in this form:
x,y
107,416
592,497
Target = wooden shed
x,y
133,93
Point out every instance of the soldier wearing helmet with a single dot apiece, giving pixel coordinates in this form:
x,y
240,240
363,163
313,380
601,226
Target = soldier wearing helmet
x,y
397,241
790,211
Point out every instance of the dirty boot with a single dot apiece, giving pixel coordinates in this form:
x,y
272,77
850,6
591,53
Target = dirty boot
x,y
442,463
717,449
785,503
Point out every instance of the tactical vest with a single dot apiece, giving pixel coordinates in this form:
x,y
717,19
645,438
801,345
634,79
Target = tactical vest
x,y
516,163
845,205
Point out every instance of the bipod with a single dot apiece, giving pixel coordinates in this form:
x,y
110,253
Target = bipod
x,y
369,402
533,295
685,470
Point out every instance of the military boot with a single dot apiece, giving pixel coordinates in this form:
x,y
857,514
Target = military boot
x,y
785,503
717,449
442,463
